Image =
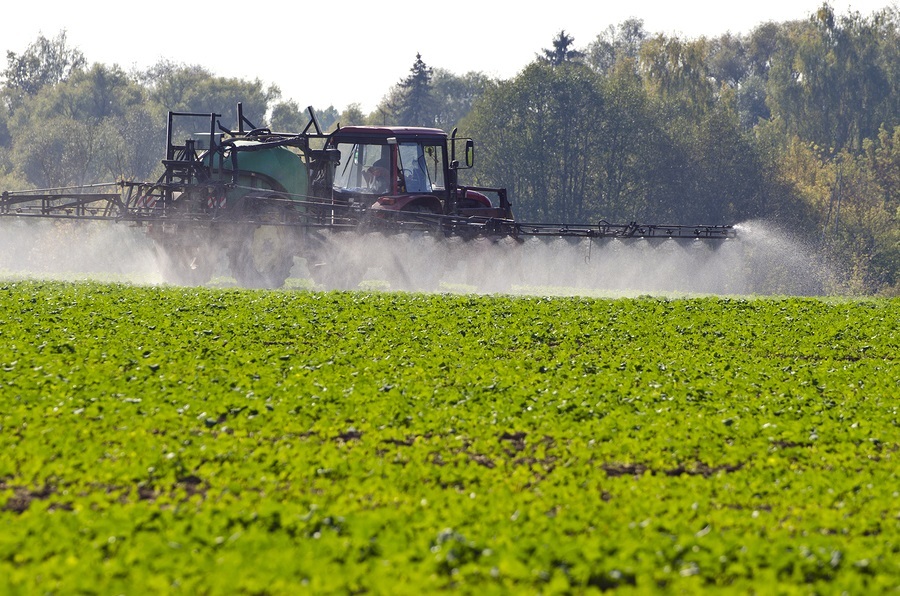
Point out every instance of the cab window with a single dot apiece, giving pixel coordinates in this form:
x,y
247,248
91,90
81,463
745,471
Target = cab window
x,y
363,168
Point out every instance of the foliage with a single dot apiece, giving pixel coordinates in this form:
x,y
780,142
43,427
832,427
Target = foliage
x,y
93,127
352,115
243,441
288,117
434,96
833,80
794,122
455,95
701,130
328,118
562,51
616,45
415,105
573,144
192,88
675,71
550,175
45,62
57,152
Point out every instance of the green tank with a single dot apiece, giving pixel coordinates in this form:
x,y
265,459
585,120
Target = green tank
x,y
272,168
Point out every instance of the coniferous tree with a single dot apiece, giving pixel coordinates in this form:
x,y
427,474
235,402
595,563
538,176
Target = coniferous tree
x,y
562,50
416,102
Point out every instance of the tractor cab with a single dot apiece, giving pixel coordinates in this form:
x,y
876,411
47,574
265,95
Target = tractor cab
x,y
398,168
409,169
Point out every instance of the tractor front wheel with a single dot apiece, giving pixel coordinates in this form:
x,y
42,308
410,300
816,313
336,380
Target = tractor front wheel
x,y
262,256
335,260
186,261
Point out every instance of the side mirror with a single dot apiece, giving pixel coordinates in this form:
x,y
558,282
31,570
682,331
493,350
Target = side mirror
x,y
470,153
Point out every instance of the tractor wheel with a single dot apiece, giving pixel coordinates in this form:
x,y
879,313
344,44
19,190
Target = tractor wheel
x,y
186,261
335,261
263,256
261,243
414,262
341,276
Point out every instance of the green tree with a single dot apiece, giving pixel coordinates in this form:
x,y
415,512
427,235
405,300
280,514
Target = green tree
x,y
352,115
455,95
882,162
677,73
725,181
114,132
616,44
860,228
540,139
91,94
288,117
5,137
44,62
129,146
192,88
58,152
751,61
562,50
328,117
449,99
727,60
832,79
635,152
416,103
387,112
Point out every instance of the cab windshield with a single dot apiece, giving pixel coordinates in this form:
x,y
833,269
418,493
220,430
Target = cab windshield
x,y
422,167
365,168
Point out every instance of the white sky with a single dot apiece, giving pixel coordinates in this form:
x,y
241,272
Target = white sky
x,y
336,52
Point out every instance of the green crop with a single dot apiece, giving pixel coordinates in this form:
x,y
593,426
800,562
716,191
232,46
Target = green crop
x,y
229,441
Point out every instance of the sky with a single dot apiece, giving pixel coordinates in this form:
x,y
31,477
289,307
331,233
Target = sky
x,y
338,52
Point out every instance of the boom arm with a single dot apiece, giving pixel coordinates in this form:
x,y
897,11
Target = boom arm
x,y
604,229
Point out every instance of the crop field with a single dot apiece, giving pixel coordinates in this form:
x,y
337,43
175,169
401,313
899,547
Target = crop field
x,y
209,441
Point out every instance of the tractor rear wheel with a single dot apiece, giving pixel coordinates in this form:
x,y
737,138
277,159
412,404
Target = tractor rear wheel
x,y
261,253
262,257
187,251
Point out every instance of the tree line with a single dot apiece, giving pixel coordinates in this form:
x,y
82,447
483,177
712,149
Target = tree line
x,y
795,123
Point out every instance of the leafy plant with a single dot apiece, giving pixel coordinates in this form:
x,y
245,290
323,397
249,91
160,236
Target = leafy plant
x,y
220,440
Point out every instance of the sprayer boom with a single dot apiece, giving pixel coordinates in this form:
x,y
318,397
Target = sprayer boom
x,y
60,204
605,229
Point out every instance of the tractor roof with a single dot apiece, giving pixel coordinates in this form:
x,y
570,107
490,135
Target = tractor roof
x,y
390,131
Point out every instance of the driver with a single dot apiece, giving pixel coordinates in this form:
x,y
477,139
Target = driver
x,y
377,175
